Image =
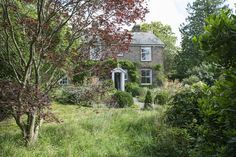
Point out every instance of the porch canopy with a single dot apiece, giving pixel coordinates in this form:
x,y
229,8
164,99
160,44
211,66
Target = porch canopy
x,y
118,77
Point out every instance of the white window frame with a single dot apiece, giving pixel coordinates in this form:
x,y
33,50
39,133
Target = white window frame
x,y
149,49
147,77
93,53
126,75
121,54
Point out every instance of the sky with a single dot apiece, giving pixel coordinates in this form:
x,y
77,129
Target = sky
x,y
171,12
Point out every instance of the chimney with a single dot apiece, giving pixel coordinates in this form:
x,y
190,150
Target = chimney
x,y
136,28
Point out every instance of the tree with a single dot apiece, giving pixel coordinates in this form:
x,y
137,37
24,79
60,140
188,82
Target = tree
x,y
191,56
164,32
43,39
219,39
218,107
148,100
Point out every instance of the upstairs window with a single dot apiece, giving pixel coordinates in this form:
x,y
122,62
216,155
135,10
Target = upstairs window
x,y
146,54
146,76
95,53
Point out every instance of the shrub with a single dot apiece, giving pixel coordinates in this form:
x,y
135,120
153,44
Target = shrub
x,y
123,99
206,72
134,89
190,80
75,95
161,98
148,100
85,94
185,111
218,110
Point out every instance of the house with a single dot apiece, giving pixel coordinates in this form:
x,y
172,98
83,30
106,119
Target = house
x,y
147,50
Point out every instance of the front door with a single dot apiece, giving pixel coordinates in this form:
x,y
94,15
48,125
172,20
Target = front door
x,y
118,81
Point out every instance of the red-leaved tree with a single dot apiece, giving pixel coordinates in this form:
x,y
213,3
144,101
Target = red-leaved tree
x,y
41,39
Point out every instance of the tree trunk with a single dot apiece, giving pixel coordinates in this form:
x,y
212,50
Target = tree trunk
x,y
34,125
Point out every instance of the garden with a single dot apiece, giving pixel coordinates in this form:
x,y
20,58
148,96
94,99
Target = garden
x,y
189,111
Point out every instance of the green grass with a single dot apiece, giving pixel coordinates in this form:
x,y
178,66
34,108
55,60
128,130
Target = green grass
x,y
93,132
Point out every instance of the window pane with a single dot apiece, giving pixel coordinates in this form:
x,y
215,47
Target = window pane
x,y
146,54
148,80
143,73
143,80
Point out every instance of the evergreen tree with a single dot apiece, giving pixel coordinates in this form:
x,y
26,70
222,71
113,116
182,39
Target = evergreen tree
x,y
148,100
191,56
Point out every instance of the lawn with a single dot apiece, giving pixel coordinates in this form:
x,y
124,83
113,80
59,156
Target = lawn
x,y
92,132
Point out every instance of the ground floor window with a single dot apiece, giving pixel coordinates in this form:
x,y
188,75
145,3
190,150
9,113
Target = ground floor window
x,y
146,76
64,81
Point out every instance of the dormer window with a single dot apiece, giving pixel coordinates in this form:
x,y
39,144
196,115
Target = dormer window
x,y
146,54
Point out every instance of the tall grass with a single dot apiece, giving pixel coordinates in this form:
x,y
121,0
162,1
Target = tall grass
x,y
101,132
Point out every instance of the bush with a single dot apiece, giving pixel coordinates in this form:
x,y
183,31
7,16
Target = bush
x,y
219,113
185,111
84,95
148,100
134,89
206,72
161,98
123,99
190,80
74,95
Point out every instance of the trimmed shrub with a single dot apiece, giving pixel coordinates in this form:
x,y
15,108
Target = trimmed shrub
x,y
161,98
123,99
148,100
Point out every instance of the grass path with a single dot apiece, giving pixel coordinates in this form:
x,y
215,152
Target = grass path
x,y
89,132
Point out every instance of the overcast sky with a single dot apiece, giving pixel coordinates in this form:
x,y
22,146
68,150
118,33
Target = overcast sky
x,y
172,12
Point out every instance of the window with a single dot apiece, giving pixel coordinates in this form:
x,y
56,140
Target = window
x,y
120,54
146,76
64,81
146,54
95,53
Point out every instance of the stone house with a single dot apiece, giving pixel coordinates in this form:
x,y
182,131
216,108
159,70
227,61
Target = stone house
x,y
147,50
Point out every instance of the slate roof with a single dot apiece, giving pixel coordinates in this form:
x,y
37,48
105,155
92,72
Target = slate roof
x,y
145,38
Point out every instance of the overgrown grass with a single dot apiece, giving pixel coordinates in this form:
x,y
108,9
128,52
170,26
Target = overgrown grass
x,y
96,132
